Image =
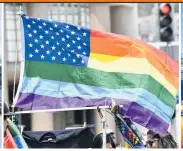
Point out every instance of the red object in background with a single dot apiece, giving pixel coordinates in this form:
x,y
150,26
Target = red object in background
x,y
165,8
9,141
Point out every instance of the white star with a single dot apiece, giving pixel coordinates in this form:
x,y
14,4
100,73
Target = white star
x,y
30,35
36,41
42,56
61,31
63,39
53,58
38,19
40,27
74,60
41,37
26,17
79,47
44,24
30,55
52,37
78,38
73,41
36,50
67,36
47,52
29,26
72,32
77,55
46,32
72,51
82,62
68,45
51,28
64,59
53,47
35,31
79,28
47,42
84,34
42,46
30,45
63,49
57,33
69,55
33,22
84,44
58,43
67,26
56,25
59,53
84,53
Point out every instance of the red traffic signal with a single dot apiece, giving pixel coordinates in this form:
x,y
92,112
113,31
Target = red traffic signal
x,y
165,22
165,8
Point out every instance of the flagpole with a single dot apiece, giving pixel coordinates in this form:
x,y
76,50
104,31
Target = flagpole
x,y
104,128
57,110
16,61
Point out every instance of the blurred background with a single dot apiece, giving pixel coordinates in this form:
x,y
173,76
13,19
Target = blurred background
x,y
140,20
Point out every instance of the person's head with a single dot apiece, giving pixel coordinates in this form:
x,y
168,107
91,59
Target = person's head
x,y
152,140
110,141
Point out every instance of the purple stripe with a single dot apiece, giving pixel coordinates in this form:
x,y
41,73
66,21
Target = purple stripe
x,y
137,113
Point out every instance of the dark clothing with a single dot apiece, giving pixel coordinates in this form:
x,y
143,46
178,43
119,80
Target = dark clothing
x,y
77,138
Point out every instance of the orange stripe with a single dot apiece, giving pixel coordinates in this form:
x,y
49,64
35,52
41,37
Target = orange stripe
x,y
124,46
172,64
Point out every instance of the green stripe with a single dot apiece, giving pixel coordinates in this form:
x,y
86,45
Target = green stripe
x,y
92,77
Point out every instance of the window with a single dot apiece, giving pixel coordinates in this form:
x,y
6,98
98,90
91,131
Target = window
x,y
74,13
12,28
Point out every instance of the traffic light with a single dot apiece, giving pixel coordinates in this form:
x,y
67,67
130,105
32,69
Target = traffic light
x,y
165,22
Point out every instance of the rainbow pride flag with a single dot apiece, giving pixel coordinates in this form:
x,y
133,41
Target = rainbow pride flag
x,y
67,66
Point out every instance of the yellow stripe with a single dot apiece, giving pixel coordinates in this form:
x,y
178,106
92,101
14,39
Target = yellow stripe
x,y
129,65
104,58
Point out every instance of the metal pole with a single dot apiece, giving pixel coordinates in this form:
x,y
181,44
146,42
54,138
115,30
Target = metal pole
x,y
57,110
104,130
16,56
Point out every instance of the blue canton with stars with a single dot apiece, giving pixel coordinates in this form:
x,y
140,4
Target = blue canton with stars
x,y
55,42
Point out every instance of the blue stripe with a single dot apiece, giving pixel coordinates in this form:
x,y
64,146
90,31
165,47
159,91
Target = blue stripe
x,y
64,89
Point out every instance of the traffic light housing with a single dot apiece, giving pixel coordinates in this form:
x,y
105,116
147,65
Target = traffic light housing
x,y
165,22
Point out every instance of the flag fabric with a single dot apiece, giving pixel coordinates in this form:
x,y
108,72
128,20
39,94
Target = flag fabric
x,y
131,139
67,66
20,142
9,141
73,138
130,133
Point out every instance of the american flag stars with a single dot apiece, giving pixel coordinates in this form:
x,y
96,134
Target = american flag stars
x,y
41,37
36,50
30,35
56,42
42,56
